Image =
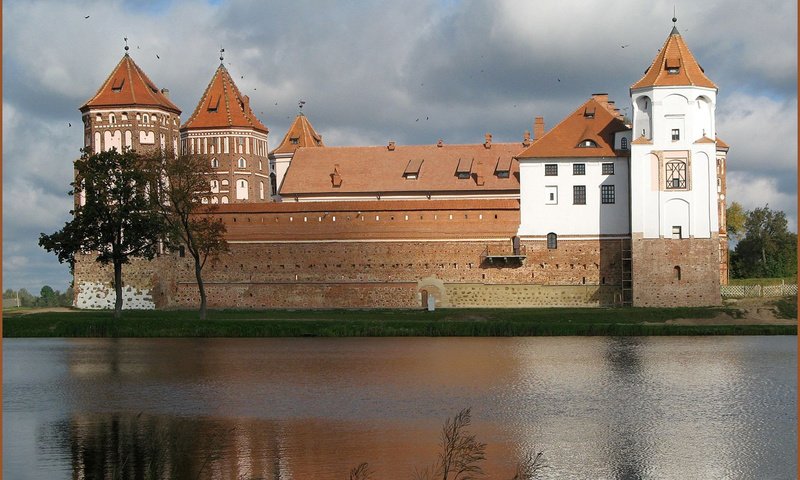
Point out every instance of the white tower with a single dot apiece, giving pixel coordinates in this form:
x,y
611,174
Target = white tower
x,y
675,223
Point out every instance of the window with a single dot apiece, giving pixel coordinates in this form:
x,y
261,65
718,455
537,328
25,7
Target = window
x,y
225,183
550,170
214,186
112,119
294,140
607,194
608,169
145,118
587,144
273,184
623,143
214,163
242,163
579,169
579,195
676,273
676,232
676,175
552,241
551,195
503,174
676,134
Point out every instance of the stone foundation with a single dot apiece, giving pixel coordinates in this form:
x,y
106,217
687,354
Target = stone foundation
x,y
675,273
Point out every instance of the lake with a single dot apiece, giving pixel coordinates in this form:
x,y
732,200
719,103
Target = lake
x,y
598,407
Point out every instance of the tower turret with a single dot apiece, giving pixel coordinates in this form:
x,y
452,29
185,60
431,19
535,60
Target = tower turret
x,y
300,134
224,129
129,111
675,222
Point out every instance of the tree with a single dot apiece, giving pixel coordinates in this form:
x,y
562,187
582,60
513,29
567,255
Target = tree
x,y
113,217
461,453
48,297
767,249
735,218
185,189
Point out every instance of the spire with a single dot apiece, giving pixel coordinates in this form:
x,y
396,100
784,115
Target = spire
x,y
674,65
129,86
300,134
223,105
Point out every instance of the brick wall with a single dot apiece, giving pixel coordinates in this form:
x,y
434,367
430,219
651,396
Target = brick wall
x,y
353,274
670,273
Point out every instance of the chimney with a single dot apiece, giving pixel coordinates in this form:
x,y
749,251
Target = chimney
x,y
390,146
538,128
440,143
336,177
526,139
246,103
165,92
488,142
479,180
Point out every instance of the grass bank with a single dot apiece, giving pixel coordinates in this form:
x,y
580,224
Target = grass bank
x,y
380,323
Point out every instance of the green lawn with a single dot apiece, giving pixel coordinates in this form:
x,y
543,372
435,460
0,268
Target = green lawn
x,y
376,323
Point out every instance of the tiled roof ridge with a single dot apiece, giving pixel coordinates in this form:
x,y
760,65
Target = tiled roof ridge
x,y
398,146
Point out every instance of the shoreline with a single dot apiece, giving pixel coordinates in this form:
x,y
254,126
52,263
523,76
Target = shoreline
x,y
760,318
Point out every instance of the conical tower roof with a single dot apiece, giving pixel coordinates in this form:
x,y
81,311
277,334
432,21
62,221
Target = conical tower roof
x,y
300,134
223,106
674,66
129,86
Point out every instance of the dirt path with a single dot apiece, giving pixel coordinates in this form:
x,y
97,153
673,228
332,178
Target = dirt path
x,y
751,311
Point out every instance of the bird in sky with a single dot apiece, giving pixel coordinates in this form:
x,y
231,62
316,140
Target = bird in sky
x,y
627,45
69,124
417,120
87,16
158,57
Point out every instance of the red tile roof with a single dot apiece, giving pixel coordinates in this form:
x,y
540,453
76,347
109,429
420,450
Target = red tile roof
x,y
674,55
722,144
129,86
375,170
302,133
595,121
223,106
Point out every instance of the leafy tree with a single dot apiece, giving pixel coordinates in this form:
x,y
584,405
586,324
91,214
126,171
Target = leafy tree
x,y
735,218
48,297
183,183
114,216
767,248
26,299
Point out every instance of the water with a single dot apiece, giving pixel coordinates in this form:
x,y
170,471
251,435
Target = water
x,y
599,407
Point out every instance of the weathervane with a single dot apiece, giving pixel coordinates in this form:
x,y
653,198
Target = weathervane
x,y
126,44
221,57
674,16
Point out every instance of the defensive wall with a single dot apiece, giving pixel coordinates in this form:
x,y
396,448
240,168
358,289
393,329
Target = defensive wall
x,y
371,254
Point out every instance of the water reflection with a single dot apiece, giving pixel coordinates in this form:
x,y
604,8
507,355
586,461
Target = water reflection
x,y
628,442
314,408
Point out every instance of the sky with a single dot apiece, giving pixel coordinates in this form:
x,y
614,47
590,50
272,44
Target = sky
x,y
373,71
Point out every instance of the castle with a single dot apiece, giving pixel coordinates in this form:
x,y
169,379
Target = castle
x,y
595,211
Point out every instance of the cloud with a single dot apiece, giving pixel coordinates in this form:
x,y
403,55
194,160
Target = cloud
x,y
753,191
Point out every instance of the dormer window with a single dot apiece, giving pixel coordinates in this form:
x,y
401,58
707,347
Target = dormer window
x,y
588,112
587,144
623,143
117,85
464,169
213,103
673,65
412,169
294,140
503,168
